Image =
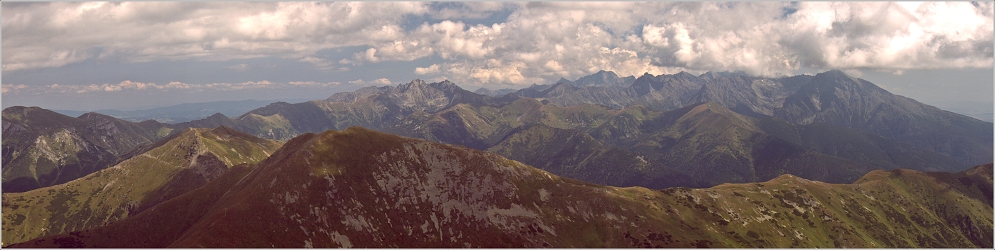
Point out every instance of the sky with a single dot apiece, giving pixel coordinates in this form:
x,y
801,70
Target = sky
x,y
135,55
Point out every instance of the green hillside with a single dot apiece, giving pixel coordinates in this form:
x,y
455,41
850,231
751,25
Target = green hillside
x,y
175,165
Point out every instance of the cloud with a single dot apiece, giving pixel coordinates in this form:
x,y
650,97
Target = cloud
x,y
318,63
380,81
854,72
434,69
128,85
312,83
535,43
108,87
13,88
59,33
239,67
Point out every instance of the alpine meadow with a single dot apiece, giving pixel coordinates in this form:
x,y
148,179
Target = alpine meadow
x,y
498,124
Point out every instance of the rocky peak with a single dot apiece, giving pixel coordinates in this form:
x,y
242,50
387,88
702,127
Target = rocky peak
x,y
685,75
563,80
446,85
416,83
602,78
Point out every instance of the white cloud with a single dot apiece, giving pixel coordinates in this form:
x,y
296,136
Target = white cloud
x,y
313,83
59,33
380,81
318,63
854,72
109,87
434,69
12,88
239,67
128,85
538,42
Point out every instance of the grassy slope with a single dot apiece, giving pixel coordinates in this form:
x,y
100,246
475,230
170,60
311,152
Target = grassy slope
x,y
180,163
338,189
43,148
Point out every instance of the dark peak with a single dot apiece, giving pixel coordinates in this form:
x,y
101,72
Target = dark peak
x,y
602,77
93,116
219,115
605,73
980,170
444,85
539,87
563,80
150,122
684,74
645,77
560,86
18,109
834,72
559,83
415,82
836,77
278,104
723,74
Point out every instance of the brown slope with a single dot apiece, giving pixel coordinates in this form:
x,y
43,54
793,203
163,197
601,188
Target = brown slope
x,y
154,228
177,165
320,191
409,193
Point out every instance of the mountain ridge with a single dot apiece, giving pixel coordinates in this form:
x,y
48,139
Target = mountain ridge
x,y
43,148
404,192
175,165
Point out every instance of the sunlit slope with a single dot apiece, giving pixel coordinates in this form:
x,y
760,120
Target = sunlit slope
x,y
177,164
360,188
43,148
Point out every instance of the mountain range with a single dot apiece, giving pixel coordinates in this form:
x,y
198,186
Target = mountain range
x,y
713,160
171,167
831,97
764,116
43,148
361,188
778,121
